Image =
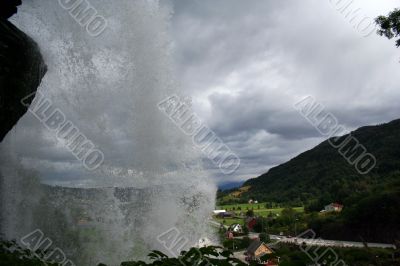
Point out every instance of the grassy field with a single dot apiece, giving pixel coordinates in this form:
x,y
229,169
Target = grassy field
x,y
244,206
230,221
265,212
259,210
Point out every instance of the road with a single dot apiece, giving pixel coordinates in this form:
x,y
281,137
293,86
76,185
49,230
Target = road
x,y
330,243
314,242
240,255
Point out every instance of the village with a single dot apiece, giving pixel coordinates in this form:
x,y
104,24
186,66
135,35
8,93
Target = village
x,y
254,233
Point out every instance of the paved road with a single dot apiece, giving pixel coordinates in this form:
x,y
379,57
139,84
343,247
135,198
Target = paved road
x,y
217,224
331,243
315,242
240,255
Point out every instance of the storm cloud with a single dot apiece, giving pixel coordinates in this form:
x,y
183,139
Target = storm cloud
x,y
245,64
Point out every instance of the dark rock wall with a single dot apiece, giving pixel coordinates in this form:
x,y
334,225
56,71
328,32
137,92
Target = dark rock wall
x,y
21,69
8,8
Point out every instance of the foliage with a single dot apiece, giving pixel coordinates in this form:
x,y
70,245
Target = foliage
x,y
211,255
245,230
291,255
264,237
250,213
389,26
374,219
321,176
237,243
12,254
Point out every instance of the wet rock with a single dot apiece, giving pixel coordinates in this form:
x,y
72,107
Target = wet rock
x,y
21,69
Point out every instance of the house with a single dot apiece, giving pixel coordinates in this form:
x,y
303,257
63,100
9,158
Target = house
x,y
229,235
333,207
251,222
271,263
250,201
257,249
216,212
224,214
236,228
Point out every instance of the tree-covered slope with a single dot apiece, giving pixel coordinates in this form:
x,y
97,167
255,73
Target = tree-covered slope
x,y
323,175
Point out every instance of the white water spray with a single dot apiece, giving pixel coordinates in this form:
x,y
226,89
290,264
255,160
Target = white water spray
x,y
108,86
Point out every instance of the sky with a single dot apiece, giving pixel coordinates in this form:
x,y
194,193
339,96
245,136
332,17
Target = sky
x,y
244,64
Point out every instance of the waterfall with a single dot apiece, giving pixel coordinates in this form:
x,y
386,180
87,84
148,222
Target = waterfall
x,y
107,71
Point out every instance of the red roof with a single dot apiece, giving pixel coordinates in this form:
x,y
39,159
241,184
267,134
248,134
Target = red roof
x,y
251,223
270,263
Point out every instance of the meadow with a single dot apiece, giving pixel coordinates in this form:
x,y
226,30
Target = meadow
x,y
259,209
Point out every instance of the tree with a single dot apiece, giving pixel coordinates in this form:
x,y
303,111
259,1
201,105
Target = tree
x,y
389,26
288,215
250,213
210,255
264,237
245,230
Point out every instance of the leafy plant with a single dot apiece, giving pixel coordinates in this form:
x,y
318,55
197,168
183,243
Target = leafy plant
x,y
211,255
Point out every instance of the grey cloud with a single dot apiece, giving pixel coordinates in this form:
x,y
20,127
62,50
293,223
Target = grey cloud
x,y
247,63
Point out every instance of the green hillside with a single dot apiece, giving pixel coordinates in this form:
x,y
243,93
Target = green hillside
x,y
321,175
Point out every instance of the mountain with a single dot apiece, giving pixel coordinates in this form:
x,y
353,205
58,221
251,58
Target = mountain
x,y
230,185
322,175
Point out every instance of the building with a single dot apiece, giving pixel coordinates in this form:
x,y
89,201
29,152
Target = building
x,y
271,263
229,235
257,249
236,228
251,222
218,211
333,207
224,214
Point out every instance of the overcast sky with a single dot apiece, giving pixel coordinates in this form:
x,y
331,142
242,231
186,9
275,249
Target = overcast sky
x,y
247,62
244,63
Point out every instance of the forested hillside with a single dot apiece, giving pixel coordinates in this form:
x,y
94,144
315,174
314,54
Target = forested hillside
x,y
321,175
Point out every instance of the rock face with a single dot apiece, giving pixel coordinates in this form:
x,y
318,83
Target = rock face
x,y
8,8
21,69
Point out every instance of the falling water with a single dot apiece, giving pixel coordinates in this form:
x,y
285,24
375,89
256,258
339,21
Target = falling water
x,y
108,86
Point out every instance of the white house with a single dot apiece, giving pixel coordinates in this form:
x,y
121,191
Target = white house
x,y
218,211
333,207
237,228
